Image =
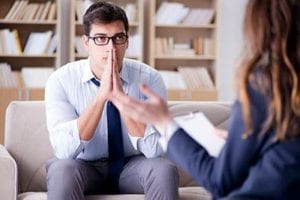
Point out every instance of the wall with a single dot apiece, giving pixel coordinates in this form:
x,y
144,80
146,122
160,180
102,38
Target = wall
x,y
230,44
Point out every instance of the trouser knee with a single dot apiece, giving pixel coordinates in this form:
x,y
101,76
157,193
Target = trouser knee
x,y
64,179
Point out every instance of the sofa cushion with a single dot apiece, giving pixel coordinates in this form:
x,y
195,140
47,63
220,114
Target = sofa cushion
x,y
26,138
185,193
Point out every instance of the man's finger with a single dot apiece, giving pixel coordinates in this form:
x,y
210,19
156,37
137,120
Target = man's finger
x,y
110,61
148,92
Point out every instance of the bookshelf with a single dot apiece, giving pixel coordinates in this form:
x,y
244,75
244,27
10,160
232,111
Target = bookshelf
x,y
187,39
20,22
25,26
135,13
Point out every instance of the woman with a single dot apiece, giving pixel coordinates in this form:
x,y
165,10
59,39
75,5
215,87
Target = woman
x,y
261,158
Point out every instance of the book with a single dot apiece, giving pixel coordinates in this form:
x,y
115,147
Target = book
x,y
79,47
45,11
202,131
6,77
196,77
38,43
51,16
172,79
36,77
12,10
18,41
52,45
39,12
131,12
135,46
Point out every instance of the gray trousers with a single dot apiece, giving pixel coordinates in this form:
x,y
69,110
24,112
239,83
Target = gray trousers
x,y
69,179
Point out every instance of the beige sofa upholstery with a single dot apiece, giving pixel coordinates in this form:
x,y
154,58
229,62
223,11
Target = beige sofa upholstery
x,y
27,147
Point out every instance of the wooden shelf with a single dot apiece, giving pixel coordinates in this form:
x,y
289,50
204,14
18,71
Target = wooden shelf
x,y
24,29
186,57
18,61
28,56
32,23
187,35
16,94
209,26
201,94
77,23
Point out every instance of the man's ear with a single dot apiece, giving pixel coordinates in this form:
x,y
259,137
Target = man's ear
x,y
85,41
127,43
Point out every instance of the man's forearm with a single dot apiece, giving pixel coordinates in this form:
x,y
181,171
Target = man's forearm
x,y
88,121
135,129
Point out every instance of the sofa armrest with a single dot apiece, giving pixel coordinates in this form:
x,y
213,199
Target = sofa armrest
x,y
8,175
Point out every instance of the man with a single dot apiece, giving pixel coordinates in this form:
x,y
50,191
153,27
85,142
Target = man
x,y
98,149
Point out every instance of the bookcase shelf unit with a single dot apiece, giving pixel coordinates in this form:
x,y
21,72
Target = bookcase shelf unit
x,y
165,32
24,27
136,29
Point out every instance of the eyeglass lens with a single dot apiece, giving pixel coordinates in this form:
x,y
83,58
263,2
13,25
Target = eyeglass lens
x,y
104,40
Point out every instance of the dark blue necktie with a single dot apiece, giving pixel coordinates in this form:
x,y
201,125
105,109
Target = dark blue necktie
x,y
115,142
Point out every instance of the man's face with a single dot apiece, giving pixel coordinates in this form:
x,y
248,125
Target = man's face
x,y
99,54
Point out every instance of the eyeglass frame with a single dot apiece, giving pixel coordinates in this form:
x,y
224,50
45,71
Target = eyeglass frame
x,y
108,39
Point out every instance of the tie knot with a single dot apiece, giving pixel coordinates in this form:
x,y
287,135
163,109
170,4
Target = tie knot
x,y
97,83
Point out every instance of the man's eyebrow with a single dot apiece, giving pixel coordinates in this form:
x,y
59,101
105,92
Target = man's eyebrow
x,y
104,34
100,34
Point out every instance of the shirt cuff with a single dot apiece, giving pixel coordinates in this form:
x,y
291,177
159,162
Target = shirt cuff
x,y
81,146
135,140
169,131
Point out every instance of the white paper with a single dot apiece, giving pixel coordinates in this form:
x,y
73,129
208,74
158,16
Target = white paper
x,y
202,131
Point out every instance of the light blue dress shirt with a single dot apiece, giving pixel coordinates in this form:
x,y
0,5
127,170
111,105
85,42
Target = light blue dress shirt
x,y
69,90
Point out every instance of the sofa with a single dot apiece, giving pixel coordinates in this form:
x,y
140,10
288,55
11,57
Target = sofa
x,y
27,147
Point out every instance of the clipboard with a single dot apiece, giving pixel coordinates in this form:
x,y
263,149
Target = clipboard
x,y
202,131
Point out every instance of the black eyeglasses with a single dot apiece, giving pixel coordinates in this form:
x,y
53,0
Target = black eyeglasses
x,y
118,39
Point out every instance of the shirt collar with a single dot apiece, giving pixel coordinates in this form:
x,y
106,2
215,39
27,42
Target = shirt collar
x,y
88,74
124,72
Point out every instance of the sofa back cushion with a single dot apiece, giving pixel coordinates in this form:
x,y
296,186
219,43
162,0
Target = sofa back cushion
x,y
27,139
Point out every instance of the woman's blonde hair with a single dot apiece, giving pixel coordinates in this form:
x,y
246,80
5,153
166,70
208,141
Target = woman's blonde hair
x,y
272,32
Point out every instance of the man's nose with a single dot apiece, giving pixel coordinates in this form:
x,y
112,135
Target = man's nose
x,y
110,43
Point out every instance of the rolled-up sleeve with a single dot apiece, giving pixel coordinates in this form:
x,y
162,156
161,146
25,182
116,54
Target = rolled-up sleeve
x,y
149,144
61,120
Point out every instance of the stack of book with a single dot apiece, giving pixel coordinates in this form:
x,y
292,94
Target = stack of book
x,y
196,77
173,79
198,46
7,78
188,78
135,46
36,77
204,46
43,39
25,11
83,5
167,46
184,16
80,8
198,17
131,12
79,48
10,43
29,77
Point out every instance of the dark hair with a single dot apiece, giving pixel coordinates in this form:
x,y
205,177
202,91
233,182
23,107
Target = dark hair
x,y
103,12
272,32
